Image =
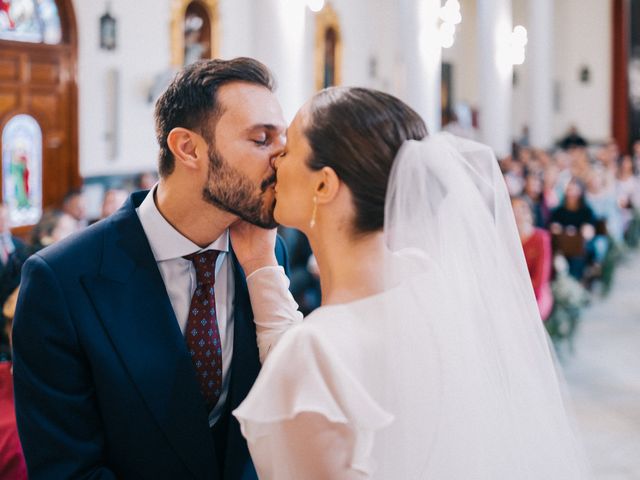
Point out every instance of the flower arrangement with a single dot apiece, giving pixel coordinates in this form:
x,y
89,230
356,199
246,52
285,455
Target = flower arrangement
x,y
632,235
570,297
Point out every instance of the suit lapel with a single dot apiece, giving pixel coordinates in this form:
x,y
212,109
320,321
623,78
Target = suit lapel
x,y
246,361
132,303
244,370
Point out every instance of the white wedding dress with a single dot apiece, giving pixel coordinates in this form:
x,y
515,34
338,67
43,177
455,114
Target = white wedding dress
x,y
446,375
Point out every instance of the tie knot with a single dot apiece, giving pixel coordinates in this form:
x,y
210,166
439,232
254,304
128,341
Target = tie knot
x,y
205,265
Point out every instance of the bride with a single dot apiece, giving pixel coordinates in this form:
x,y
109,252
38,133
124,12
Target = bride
x,y
427,358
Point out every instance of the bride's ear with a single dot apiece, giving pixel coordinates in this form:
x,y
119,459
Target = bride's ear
x,y
327,185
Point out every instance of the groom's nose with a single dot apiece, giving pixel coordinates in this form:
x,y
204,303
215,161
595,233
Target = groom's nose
x,y
278,149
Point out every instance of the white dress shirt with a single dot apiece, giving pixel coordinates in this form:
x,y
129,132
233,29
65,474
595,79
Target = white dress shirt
x,y
179,276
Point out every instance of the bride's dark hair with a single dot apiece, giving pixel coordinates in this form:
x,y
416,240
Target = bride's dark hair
x,y
358,132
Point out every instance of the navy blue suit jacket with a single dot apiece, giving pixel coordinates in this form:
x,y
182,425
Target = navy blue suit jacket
x,y
104,385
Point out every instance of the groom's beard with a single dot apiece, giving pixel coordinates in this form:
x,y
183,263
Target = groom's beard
x,y
230,190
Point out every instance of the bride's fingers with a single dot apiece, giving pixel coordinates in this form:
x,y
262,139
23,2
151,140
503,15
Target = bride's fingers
x,y
254,247
250,241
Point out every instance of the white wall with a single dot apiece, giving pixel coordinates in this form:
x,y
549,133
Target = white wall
x,y
236,28
282,34
284,39
143,51
355,17
583,37
381,46
288,54
463,56
519,99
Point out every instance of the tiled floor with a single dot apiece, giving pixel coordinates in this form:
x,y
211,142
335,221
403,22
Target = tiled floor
x,y
604,378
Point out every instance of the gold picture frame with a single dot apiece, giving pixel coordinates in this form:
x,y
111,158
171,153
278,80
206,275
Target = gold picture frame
x,y
326,19
178,12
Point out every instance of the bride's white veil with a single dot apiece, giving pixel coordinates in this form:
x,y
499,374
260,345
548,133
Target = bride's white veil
x,y
489,375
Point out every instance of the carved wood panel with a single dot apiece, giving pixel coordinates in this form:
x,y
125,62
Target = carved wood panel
x,y
39,80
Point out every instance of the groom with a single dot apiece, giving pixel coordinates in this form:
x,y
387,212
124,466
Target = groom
x,y
134,340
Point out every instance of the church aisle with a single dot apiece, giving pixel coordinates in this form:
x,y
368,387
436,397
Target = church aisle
x,y
604,378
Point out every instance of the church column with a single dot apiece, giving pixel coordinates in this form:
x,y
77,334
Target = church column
x,y
420,58
495,74
280,36
540,64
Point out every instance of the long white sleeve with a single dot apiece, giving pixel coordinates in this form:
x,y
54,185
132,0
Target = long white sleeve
x,y
274,309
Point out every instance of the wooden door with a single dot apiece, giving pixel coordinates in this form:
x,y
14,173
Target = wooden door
x,y
39,80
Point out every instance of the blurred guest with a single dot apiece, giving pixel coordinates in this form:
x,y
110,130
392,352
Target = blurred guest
x,y
607,163
114,198
524,140
8,310
580,164
532,161
12,464
612,149
74,204
572,139
627,189
604,204
459,121
54,225
563,162
533,194
550,187
514,177
536,244
574,219
544,159
525,155
636,156
13,253
146,181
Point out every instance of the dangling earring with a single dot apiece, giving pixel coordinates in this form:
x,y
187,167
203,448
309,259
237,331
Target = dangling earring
x,y
312,223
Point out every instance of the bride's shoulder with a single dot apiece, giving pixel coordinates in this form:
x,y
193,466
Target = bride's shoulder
x,y
309,336
323,343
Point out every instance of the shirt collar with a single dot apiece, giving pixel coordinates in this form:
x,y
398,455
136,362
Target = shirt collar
x,y
165,241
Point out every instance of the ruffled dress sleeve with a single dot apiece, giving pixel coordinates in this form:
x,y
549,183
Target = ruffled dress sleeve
x,y
305,391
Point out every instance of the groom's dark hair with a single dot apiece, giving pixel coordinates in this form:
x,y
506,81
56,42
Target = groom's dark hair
x,y
191,99
358,132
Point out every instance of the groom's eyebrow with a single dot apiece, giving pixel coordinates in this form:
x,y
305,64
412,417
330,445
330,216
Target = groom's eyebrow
x,y
266,126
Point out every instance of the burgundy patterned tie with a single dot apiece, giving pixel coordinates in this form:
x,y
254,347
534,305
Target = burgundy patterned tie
x,y
202,334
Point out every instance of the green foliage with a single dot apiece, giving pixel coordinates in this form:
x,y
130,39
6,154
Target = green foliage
x,y
632,235
570,297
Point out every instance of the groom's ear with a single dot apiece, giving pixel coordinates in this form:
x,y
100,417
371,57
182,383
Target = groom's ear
x,y
327,185
186,147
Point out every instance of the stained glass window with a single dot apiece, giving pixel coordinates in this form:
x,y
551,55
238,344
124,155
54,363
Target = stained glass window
x,y
22,170
34,21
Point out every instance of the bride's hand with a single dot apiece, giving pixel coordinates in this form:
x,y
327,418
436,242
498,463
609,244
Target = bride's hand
x,y
254,246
